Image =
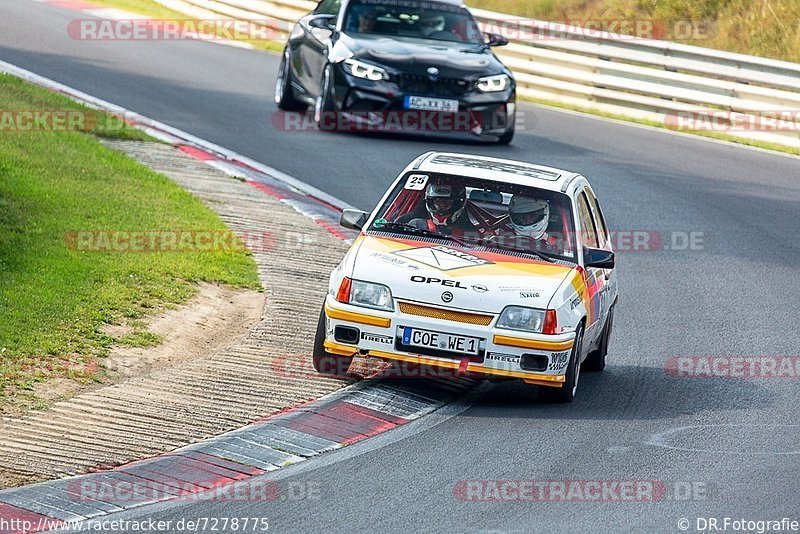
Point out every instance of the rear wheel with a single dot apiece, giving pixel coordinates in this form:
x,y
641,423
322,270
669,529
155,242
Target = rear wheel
x,y
284,94
324,362
567,391
596,360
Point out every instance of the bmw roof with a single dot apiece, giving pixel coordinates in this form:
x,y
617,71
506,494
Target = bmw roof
x,y
501,170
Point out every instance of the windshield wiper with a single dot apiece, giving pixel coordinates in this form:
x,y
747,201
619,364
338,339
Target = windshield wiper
x,y
506,246
410,228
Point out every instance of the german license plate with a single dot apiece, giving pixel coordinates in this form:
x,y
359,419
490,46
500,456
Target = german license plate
x,y
414,337
431,104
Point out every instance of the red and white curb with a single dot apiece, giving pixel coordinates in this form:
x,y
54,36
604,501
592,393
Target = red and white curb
x,y
221,468
342,418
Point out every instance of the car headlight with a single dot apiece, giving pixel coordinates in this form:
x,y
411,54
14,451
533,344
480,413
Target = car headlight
x,y
493,84
522,319
371,295
365,70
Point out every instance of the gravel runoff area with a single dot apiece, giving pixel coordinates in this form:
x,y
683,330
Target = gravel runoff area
x,y
267,371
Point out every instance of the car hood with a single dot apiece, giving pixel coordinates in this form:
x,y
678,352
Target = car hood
x,y
422,272
415,56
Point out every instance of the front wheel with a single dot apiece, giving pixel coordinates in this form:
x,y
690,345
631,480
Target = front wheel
x,y
567,391
326,363
284,94
325,106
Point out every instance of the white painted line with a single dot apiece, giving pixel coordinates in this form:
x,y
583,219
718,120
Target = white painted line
x,y
113,13
661,439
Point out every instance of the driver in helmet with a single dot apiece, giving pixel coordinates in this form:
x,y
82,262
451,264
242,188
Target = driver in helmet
x,y
446,206
431,24
529,218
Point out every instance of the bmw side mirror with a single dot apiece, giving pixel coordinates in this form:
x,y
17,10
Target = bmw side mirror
x,y
323,22
495,39
353,219
601,259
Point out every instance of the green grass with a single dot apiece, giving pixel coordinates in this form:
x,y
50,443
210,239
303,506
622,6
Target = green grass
x,y
767,28
53,298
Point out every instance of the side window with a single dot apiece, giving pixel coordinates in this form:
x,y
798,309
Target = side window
x,y
589,236
328,7
600,221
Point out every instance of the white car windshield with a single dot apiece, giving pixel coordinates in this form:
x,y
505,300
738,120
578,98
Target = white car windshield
x,y
503,217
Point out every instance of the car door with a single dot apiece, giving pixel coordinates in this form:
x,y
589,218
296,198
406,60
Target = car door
x,y
311,47
595,278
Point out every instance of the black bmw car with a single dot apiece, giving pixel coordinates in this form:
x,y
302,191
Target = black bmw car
x,y
417,66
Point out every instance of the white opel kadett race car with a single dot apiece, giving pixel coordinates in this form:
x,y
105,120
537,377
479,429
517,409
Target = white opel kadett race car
x,y
477,265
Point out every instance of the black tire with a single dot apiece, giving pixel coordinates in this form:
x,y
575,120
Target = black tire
x,y
325,107
326,363
566,393
284,94
596,360
507,137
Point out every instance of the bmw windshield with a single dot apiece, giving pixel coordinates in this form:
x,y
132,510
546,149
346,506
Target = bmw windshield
x,y
413,19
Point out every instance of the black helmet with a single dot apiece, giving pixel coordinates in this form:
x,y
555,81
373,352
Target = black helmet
x,y
445,202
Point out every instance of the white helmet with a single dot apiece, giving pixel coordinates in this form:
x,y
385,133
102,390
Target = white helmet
x,y
430,24
529,216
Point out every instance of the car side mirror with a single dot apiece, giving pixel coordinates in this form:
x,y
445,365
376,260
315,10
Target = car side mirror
x,y
323,22
353,219
495,39
601,259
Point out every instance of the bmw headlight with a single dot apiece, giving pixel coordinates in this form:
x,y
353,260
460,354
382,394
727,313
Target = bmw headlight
x,y
363,70
371,295
493,84
522,319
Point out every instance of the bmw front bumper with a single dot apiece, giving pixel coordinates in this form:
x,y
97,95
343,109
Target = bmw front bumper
x,y
380,106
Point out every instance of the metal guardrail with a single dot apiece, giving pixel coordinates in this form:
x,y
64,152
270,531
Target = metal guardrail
x,y
648,79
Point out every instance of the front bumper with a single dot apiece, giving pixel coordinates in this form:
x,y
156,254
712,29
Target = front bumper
x,y
380,106
503,353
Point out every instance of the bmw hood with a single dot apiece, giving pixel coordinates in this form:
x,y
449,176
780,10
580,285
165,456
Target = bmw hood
x,y
415,56
446,275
